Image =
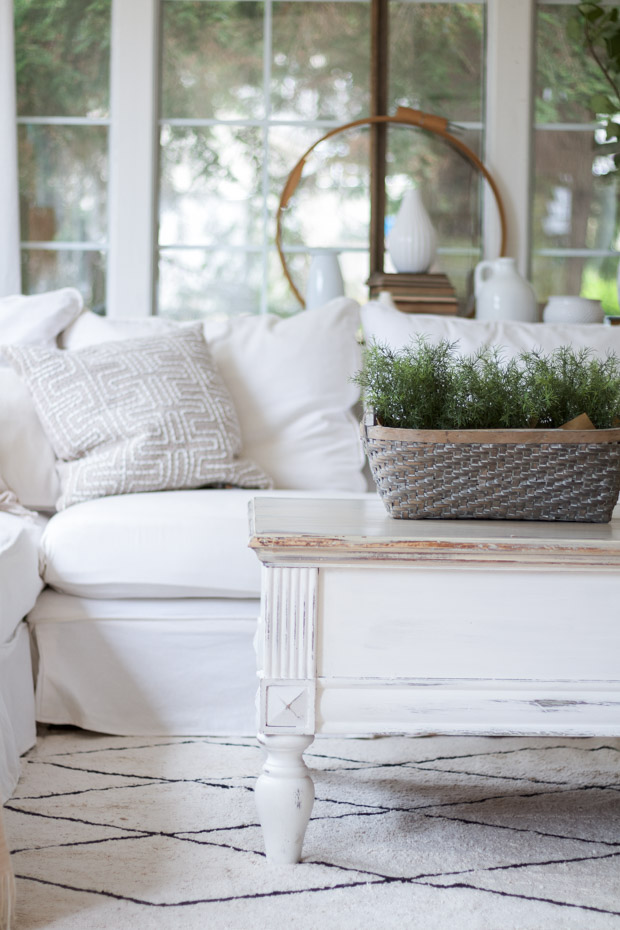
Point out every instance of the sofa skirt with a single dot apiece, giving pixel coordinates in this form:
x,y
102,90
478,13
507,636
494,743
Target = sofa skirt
x,y
17,726
160,667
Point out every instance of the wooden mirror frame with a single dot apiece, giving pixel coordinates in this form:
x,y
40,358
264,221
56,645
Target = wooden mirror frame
x,y
404,116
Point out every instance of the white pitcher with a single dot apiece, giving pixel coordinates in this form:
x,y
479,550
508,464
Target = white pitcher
x,y
502,294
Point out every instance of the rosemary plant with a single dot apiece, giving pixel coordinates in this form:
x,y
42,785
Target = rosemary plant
x,y
429,386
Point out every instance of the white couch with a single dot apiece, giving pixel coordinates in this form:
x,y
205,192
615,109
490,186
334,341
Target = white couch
x,y
146,621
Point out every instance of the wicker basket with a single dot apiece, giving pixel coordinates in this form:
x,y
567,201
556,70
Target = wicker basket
x,y
495,474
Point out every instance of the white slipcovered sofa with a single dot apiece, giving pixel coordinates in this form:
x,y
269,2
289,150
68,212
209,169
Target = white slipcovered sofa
x,y
143,605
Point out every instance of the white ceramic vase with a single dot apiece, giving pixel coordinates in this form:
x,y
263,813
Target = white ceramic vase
x,y
324,280
412,240
502,294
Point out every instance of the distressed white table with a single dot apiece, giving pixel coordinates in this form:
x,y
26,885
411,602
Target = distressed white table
x,y
371,625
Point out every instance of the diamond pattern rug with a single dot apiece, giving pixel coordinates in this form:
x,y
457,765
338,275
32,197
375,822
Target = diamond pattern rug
x,y
484,833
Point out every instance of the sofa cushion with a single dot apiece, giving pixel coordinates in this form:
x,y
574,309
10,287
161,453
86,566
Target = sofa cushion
x,y
38,318
385,325
141,415
290,384
19,570
172,544
290,381
27,460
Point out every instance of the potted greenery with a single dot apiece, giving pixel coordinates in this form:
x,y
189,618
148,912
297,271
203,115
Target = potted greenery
x,y
474,437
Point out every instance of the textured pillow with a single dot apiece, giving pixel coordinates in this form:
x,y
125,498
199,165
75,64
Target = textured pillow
x,y
26,320
290,382
27,460
396,329
147,414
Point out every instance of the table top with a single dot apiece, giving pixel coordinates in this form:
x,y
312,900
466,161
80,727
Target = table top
x,y
331,529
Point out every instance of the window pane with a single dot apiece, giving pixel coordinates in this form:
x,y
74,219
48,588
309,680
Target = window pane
x,y
451,191
321,60
44,270
567,77
589,277
212,60
436,58
211,186
195,283
62,52
575,193
331,205
63,183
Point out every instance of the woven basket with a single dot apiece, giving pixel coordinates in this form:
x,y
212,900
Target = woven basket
x,y
495,474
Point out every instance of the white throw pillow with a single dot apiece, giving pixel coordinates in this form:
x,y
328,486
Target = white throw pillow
x,y
90,328
290,383
27,460
145,414
396,329
38,318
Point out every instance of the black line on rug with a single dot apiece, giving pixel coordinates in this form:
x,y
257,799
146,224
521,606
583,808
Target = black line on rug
x,y
105,839
485,775
523,897
531,830
68,794
223,900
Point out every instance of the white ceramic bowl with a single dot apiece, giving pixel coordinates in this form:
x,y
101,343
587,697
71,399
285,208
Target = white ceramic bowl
x,y
565,309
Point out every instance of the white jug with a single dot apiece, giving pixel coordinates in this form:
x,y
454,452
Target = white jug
x,y
502,294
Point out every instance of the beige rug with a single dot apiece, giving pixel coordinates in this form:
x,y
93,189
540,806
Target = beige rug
x,y
454,833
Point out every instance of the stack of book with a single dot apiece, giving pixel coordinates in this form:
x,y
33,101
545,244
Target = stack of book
x,y
416,293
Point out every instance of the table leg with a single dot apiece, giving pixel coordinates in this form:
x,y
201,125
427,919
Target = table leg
x,y
284,796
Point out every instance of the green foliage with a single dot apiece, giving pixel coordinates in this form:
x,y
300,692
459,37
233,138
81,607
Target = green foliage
x,y
600,27
430,387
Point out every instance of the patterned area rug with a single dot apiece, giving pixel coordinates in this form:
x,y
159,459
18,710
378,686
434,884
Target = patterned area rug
x,y
486,833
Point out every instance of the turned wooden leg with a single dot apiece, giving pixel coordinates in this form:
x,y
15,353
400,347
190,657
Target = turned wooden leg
x,y
284,796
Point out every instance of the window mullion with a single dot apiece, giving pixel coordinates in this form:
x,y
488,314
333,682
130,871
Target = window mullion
x,y
133,157
508,147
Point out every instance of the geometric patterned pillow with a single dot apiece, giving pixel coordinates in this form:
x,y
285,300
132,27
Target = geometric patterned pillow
x,y
145,414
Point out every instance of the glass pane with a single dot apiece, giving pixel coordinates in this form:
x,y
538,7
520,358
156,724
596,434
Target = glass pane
x,y
62,57
588,277
575,193
331,206
212,60
436,58
321,60
195,283
451,190
567,76
62,182
47,270
450,185
211,186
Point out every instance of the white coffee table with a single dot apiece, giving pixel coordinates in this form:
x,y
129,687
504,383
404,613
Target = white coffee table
x,y
371,625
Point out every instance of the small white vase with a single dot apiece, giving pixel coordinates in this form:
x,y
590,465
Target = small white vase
x,y
561,309
502,294
324,280
412,240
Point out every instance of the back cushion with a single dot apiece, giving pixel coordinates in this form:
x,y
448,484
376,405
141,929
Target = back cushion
x,y
27,460
385,325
